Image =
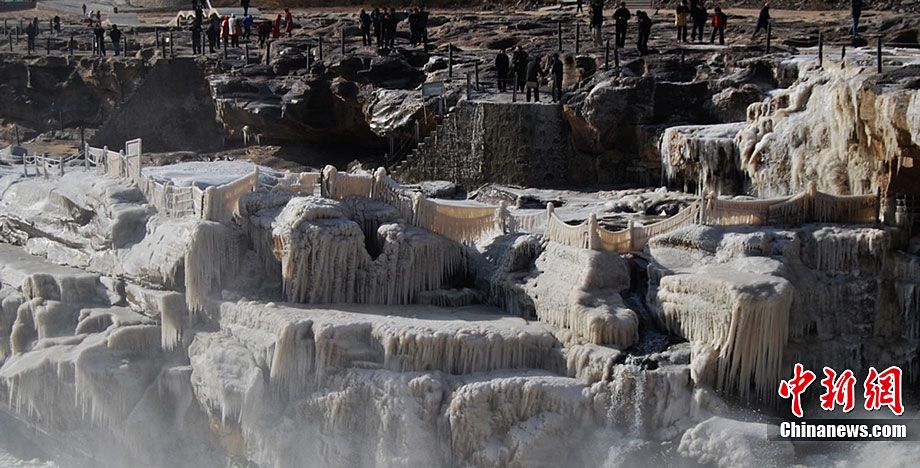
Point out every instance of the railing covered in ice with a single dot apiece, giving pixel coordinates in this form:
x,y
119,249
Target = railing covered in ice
x,y
467,221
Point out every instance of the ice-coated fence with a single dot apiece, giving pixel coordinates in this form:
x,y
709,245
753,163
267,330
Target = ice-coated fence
x,y
216,203
467,221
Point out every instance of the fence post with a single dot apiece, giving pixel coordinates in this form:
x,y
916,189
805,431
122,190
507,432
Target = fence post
x,y
61,163
48,45
631,232
268,53
607,54
820,49
616,60
577,38
309,56
157,31
878,54
502,217
559,34
45,164
85,156
417,132
246,51
124,45
878,204
469,87
320,48
10,39
514,89
476,70
105,159
592,231
450,60
25,162
18,140
343,41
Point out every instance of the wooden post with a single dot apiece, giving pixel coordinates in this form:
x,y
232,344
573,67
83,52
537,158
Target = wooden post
x,y
607,54
309,56
48,45
559,34
450,60
61,119
476,71
616,59
417,132
843,53
343,41
61,164
320,49
820,49
577,38
878,54
18,141
45,164
124,45
469,87
157,31
10,37
246,51
514,89
172,51
268,53
769,35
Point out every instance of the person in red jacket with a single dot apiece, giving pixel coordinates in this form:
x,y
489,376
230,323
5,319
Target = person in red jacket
x,y
719,21
225,30
276,28
288,22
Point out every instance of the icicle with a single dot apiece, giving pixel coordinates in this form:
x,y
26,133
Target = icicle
x,y
172,317
212,255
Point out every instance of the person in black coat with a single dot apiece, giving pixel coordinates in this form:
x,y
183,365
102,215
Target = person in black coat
x,y
502,66
621,18
556,70
856,7
645,31
364,23
534,72
698,15
763,21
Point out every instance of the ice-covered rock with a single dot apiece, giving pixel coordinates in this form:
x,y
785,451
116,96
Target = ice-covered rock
x,y
729,443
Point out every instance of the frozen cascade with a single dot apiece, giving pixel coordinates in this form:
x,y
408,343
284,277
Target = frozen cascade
x,y
703,155
212,256
324,258
744,316
571,288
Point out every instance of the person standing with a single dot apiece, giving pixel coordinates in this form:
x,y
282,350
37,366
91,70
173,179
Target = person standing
x,y
31,32
519,67
533,79
84,10
621,18
234,25
248,21
596,9
856,7
763,20
196,37
579,6
56,24
276,27
719,21
556,69
392,24
502,65
288,22
645,31
115,36
698,15
99,33
364,24
213,32
225,31
376,21
245,4
423,24
681,13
